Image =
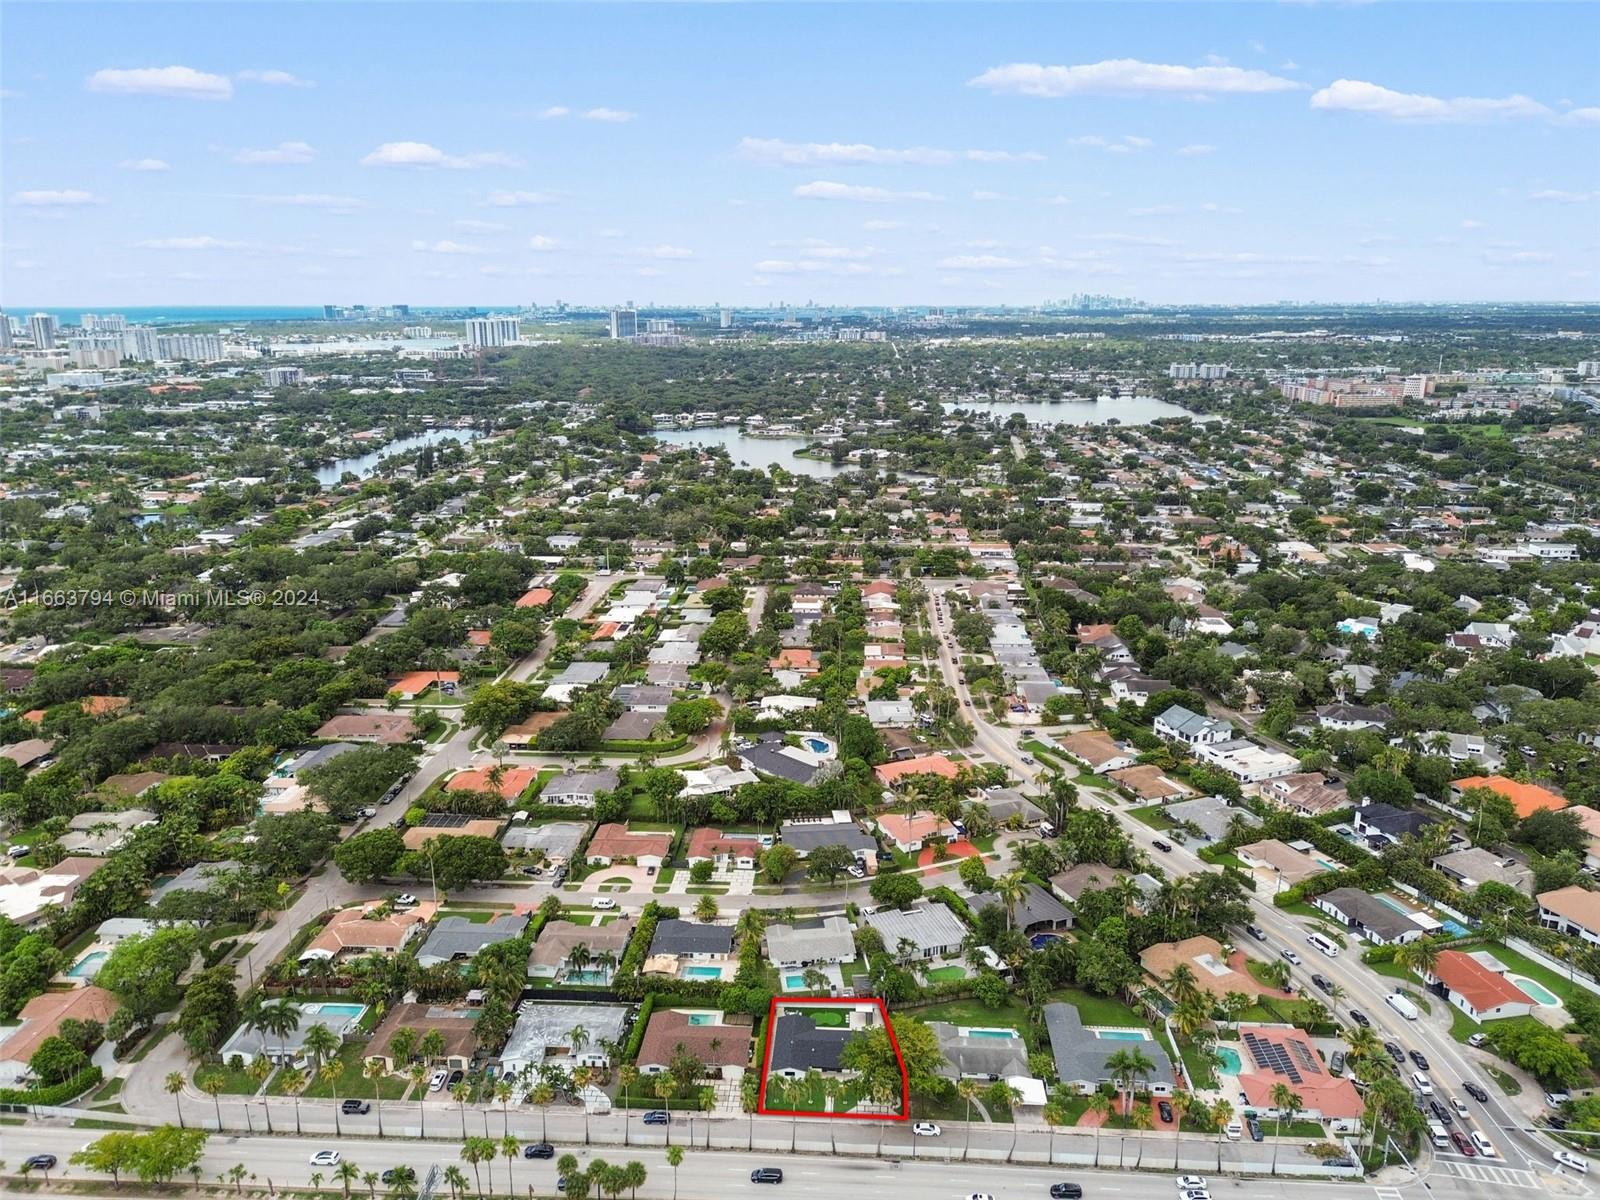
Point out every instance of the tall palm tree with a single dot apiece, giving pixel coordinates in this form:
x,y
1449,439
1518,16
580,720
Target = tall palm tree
x,y
174,1085
1143,1121
967,1089
432,1045
581,1079
502,1092
541,1096
419,1079
293,1080
1221,1114
472,1152
1420,956
1054,1115
321,1043
633,1177
509,1149
402,1046
456,1179
459,1094
332,1072
1100,1106
213,1088
1283,1100
1181,1103
674,1160
260,1068
1010,889
375,1073
347,1173
1182,985
628,1075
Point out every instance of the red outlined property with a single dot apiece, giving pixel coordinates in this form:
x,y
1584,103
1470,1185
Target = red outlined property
x,y
858,1004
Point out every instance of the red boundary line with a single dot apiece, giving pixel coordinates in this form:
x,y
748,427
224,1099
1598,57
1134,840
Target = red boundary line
x,y
766,1063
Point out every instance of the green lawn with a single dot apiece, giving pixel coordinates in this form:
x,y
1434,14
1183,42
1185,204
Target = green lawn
x,y
1557,983
946,974
1011,1015
1462,1026
811,1095
1508,1085
825,1018
234,1083
1200,1072
1153,815
353,1083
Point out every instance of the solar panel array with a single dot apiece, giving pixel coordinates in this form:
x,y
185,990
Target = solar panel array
x,y
1291,1060
446,820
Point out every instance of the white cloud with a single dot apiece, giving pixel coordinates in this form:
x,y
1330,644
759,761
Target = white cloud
x,y
1128,144
275,79
1127,77
144,164
337,204
503,269
1583,116
61,198
664,250
540,242
980,262
649,272
1558,196
611,233
882,224
1355,95
471,226
282,153
776,152
1058,199
1128,239
501,198
554,112
203,242
980,194
446,247
1196,150
615,116
183,83
420,154
823,189
817,248
810,266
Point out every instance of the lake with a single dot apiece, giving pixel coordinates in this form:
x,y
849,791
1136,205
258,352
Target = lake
x,y
759,452
329,474
1129,410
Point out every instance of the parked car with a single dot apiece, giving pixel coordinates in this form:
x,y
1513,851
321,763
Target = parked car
x,y
1164,1107
1555,1121
603,902
657,1116
456,1077
355,1108
1360,1018
369,812
1556,1099
43,1162
325,1158
1322,982
1256,932
1290,955
1477,1039
1463,1143
1395,1053
1255,1129
1418,1057
1194,1195
1164,847
1233,1131
436,1083
397,1174
405,900
926,1129
766,1175
1065,1191
538,1150
1477,1093
856,871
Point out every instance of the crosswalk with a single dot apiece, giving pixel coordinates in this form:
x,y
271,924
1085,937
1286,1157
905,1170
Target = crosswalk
x,y
1387,1193
1482,1172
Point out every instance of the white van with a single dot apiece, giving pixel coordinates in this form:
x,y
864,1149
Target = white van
x,y
1326,945
1484,1145
1436,1133
1424,1084
1402,1005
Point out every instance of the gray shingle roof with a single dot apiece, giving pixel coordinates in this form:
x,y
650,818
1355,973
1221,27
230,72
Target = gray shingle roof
x,y
457,936
798,1045
687,937
1081,1056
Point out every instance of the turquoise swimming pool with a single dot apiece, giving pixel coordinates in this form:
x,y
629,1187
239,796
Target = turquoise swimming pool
x,y
702,1018
794,982
1536,990
349,1012
702,972
1229,1058
1122,1035
589,977
815,745
992,1033
89,964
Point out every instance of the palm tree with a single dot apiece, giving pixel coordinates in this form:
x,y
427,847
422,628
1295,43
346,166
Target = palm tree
x,y
370,1178
577,959
628,1074
502,1092
1053,1115
432,1045
321,1044
633,1177
1182,985
279,1020
260,1068
459,1094
1181,1102
375,1073
472,1152
347,1173
332,1072
402,1046
578,1035
174,1086
509,1149
967,1089
213,1088
581,1079
1420,956
1278,972
1143,1121
540,1096
1100,1106
674,1160
419,1076
1283,1100
456,1180
293,1079
1221,1114
1010,889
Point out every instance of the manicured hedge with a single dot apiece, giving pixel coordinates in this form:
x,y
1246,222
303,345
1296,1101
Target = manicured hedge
x,y
641,1023
58,1093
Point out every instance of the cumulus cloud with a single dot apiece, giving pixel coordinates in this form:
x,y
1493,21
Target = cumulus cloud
x,y
776,152
1127,144
1359,96
470,226
1196,150
421,154
1583,116
202,242
282,153
542,243
615,116
554,111
502,198
145,164
58,198
824,189
1558,196
183,83
1127,77
336,204
883,224
1516,258
275,79
446,247
664,250
980,262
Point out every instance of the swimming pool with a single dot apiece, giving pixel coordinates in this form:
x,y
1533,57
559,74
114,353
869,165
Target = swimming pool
x,y
815,745
88,965
1539,993
1229,1057
702,972
1008,1034
589,977
1122,1035
349,1012
794,983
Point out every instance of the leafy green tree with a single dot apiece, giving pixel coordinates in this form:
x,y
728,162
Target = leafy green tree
x,y
142,971
896,890
829,862
778,861
369,855
357,778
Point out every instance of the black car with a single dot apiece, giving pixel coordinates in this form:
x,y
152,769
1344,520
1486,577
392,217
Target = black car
x,y
40,1162
1259,934
1554,1121
456,1077
561,1183
354,1108
766,1175
399,1174
1322,983
1066,1191
1420,1059
1395,1052
538,1150
1477,1093
1255,1129
657,1116
1164,847
1441,1114
1359,1017
1165,1109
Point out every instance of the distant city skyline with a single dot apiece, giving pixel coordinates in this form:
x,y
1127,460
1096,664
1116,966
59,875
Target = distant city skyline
x,y
502,154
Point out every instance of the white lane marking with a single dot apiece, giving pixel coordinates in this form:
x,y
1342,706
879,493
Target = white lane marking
x,y
1387,1193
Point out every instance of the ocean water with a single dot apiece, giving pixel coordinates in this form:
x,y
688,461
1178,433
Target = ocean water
x,y
221,314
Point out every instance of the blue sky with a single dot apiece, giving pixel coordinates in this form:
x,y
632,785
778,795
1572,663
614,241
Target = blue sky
x,y
843,153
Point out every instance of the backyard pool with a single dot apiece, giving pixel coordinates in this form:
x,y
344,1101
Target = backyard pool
x,y
815,745
1008,1034
702,1018
1122,1035
794,983
350,1012
588,978
1538,991
89,964
702,972
1229,1058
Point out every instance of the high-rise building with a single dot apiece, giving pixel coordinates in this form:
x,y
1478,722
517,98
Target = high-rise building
x,y
493,331
5,332
109,323
96,350
624,322
190,347
727,318
44,328
139,344
1588,369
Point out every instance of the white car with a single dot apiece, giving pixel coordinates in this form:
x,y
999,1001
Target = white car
x,y
926,1129
1197,1194
1233,1131
325,1158
436,1084
1191,1183
1484,1145
1568,1159
856,872
604,902
405,900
